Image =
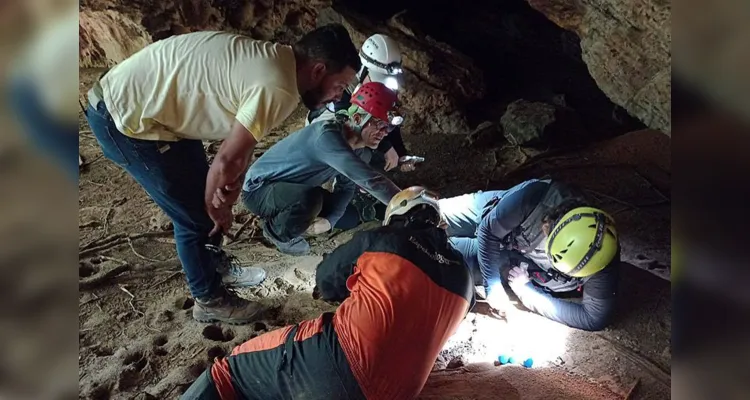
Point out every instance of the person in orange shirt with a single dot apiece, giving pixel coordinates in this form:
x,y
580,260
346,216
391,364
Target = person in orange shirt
x,y
404,291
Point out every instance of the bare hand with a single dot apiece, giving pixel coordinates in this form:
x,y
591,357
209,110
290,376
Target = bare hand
x,y
391,159
222,218
408,167
517,277
226,196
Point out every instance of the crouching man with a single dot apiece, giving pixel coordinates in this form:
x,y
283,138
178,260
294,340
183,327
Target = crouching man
x,y
283,187
545,239
404,292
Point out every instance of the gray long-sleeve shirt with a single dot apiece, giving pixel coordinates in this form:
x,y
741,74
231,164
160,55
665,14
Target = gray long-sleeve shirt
x,y
314,155
464,216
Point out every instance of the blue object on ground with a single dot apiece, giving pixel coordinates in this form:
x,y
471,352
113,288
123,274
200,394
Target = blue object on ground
x,y
528,363
503,359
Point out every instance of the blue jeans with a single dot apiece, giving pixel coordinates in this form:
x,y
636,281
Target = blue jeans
x,y
174,175
469,249
56,139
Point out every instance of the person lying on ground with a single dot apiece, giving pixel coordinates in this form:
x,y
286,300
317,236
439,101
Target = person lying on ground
x,y
151,112
381,62
283,187
404,291
543,239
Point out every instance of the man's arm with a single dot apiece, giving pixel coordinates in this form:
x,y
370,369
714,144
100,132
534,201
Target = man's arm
x,y
384,145
342,195
395,140
263,109
338,266
508,214
592,314
226,172
339,156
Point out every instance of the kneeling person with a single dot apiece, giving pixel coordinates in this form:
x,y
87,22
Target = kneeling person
x,y
544,238
405,273
288,195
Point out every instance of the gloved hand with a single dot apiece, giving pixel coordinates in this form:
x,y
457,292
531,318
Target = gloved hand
x,y
319,225
391,159
517,278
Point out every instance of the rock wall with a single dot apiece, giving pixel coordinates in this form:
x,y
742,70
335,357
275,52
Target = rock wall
x,y
626,45
112,30
107,37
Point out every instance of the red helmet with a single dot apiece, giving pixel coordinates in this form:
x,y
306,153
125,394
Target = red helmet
x,y
376,99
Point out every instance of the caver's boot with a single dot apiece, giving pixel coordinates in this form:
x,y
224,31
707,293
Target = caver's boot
x,y
226,306
295,247
233,274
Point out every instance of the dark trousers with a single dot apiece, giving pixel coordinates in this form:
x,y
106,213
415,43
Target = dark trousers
x,y
202,389
287,208
174,175
275,366
363,208
56,139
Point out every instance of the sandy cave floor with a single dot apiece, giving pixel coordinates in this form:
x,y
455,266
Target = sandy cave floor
x,y
147,345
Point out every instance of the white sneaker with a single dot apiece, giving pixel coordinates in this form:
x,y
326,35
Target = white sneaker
x,y
234,275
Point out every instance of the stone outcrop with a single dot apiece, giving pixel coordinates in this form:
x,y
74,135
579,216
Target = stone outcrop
x,y
526,122
107,37
626,46
112,30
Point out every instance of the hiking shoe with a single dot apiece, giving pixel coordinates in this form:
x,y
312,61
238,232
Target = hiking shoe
x,y
233,274
226,306
295,247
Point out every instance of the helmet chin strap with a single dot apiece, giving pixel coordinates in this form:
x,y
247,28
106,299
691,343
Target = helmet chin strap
x,y
363,72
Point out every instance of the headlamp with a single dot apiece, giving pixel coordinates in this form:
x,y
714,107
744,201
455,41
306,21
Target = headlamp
x,y
393,68
395,119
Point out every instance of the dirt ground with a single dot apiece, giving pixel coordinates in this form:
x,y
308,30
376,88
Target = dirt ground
x,y
137,338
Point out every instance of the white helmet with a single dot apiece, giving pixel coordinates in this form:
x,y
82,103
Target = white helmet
x,y
409,198
380,54
390,81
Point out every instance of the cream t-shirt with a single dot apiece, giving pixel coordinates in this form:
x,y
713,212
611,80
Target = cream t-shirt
x,y
196,85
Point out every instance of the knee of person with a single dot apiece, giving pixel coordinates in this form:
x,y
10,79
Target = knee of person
x,y
247,201
596,325
313,200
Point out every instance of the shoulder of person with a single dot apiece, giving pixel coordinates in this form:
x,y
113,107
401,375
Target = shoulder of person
x,y
611,271
329,130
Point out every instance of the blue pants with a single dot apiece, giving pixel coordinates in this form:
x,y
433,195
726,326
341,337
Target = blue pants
x,y
174,175
56,139
469,249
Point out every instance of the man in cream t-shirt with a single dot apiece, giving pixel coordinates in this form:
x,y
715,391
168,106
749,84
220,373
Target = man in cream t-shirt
x,y
151,112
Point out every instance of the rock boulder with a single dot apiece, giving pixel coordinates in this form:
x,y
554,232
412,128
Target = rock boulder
x,y
626,46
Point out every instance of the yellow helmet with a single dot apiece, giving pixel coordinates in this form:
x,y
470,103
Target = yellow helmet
x,y
583,242
405,200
